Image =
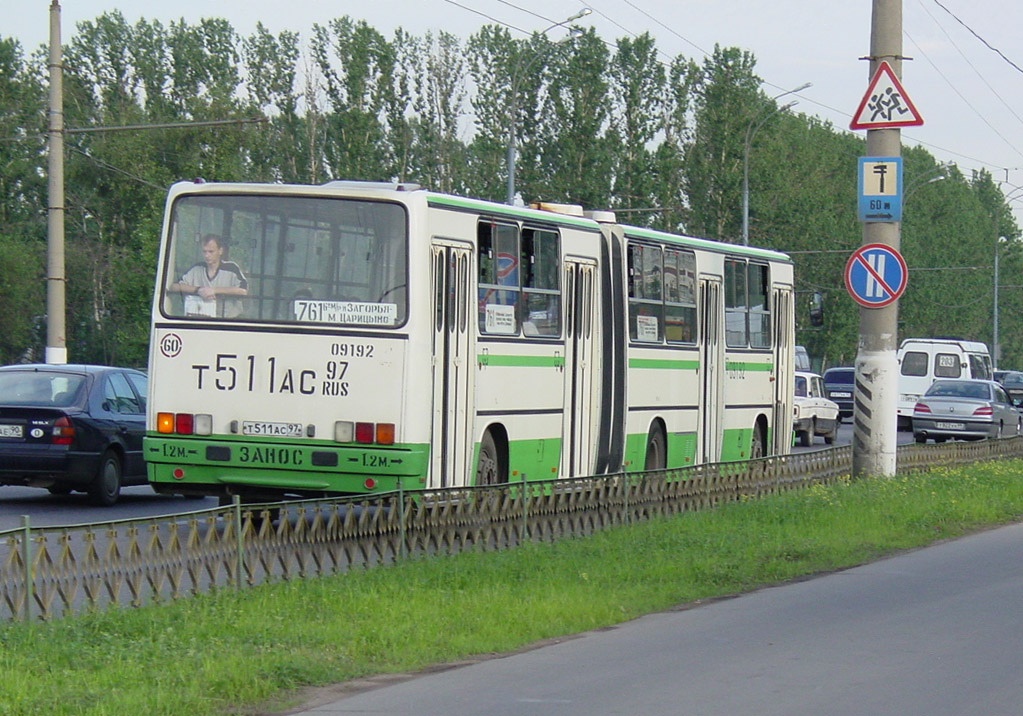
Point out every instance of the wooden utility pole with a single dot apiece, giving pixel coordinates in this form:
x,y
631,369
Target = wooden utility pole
x,y
875,419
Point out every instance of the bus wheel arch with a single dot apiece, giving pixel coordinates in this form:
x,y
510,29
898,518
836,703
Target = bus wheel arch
x,y
492,462
656,457
758,440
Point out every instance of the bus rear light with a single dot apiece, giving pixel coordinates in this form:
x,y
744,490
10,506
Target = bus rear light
x,y
344,431
385,433
178,474
364,433
369,483
165,423
203,424
183,423
63,431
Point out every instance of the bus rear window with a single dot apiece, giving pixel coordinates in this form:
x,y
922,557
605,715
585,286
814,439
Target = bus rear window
x,y
287,259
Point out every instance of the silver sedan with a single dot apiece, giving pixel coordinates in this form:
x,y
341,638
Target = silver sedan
x,y
965,409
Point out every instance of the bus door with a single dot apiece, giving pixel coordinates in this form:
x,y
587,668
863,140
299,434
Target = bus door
x,y
784,370
577,439
712,361
450,445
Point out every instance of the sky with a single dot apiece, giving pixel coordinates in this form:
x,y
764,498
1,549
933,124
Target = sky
x,y
965,77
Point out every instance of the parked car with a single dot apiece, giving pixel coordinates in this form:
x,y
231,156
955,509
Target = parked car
x,y
967,409
813,413
72,427
1012,381
839,385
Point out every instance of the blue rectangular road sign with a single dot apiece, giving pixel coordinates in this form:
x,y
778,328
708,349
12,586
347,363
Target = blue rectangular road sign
x,y
880,189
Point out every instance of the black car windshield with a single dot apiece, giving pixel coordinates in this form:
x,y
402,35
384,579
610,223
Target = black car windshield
x,y
50,389
843,375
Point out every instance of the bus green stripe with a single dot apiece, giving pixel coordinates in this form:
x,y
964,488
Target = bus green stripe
x,y
754,367
663,364
521,361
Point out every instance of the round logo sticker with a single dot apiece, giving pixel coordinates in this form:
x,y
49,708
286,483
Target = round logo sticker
x,y
170,345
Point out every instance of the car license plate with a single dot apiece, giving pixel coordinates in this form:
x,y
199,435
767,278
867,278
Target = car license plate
x,y
10,431
840,394
949,426
284,430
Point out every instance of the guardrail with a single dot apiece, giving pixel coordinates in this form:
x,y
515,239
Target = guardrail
x,y
55,572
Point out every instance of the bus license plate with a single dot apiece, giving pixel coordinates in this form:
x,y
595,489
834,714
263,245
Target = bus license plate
x,y
10,431
949,426
284,430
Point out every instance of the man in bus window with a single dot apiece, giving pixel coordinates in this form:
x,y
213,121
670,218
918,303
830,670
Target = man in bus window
x,y
214,287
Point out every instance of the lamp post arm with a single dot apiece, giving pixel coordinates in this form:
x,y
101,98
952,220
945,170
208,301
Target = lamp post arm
x,y
751,131
518,73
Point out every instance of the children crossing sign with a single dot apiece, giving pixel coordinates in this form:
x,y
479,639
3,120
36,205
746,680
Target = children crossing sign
x,y
875,275
885,104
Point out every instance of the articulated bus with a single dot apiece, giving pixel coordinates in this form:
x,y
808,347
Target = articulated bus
x,y
370,336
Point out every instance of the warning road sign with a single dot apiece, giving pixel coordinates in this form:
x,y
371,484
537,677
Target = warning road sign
x,y
875,275
885,104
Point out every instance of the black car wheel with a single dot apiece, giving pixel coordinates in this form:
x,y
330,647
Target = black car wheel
x,y
106,486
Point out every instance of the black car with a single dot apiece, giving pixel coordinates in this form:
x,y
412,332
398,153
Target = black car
x,y
839,385
1012,381
72,427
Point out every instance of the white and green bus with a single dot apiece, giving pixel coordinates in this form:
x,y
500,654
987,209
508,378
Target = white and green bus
x,y
389,336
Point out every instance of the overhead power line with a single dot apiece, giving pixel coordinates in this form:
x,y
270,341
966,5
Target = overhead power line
x,y
986,43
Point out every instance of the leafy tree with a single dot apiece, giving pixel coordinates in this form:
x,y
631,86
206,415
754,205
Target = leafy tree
x,y
726,97
357,65
637,83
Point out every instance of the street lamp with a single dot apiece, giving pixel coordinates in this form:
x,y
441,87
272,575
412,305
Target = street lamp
x,y
751,131
922,181
517,74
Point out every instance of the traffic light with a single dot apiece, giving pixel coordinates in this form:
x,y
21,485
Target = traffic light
x,y
817,309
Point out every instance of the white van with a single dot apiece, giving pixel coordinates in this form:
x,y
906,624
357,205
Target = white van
x,y
921,360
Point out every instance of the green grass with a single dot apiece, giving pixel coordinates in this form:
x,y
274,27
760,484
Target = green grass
x,y
236,652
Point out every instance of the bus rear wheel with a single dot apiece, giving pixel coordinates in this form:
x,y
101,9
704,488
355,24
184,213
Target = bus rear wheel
x,y
489,467
656,450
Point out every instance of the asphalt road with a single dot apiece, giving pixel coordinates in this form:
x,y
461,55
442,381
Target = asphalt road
x,y
46,510
933,632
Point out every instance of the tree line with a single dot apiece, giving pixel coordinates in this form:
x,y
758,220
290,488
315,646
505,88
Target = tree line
x,y
606,124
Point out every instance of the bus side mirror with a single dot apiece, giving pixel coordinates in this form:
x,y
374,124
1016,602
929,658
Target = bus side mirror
x,y
817,309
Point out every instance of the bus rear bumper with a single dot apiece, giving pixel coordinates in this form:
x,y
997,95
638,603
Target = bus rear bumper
x,y
204,466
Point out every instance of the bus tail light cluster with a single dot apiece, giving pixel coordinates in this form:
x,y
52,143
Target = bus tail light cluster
x,y
184,423
347,431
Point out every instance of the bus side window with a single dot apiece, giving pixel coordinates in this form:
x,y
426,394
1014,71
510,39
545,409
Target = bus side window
x,y
498,262
736,326
679,296
759,305
541,274
646,293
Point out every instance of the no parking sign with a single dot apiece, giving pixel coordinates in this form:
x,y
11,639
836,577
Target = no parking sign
x,y
875,275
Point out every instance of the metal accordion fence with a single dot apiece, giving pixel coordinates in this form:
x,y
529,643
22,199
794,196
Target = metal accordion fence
x,y
56,572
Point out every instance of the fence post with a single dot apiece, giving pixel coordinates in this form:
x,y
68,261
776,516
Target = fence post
x,y
403,549
26,555
236,512
627,485
525,513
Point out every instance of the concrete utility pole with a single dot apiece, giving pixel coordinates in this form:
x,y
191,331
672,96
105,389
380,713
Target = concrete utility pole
x,y
875,419
56,342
